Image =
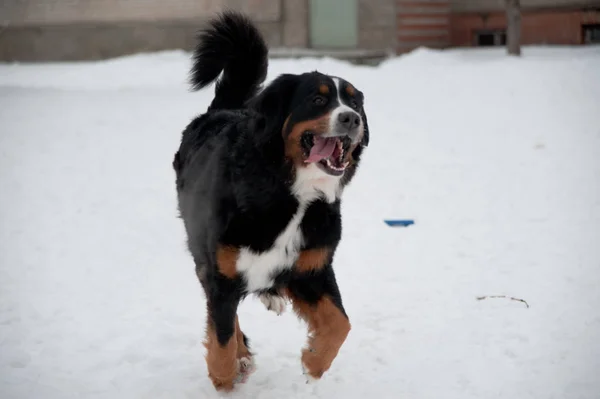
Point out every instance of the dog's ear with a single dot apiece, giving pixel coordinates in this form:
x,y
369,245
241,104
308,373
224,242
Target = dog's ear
x,y
365,139
274,102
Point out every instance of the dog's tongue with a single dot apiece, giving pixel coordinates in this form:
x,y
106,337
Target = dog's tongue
x,y
322,148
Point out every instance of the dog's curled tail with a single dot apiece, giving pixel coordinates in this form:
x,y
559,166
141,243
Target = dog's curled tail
x,y
231,44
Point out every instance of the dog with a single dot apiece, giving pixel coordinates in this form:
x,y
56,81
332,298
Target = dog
x,y
259,179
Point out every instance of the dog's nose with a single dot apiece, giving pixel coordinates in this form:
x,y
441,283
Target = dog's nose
x,y
349,120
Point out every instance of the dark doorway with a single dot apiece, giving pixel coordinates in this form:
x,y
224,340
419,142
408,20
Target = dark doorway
x,y
490,38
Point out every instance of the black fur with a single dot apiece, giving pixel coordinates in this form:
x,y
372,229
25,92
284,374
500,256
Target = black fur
x,y
231,44
234,180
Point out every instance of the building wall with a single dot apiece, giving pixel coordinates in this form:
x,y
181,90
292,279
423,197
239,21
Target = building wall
x,y
295,23
422,23
498,5
35,30
543,27
53,30
50,30
439,23
52,12
377,24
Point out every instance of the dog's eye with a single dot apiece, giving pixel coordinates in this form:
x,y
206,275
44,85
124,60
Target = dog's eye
x,y
319,100
354,104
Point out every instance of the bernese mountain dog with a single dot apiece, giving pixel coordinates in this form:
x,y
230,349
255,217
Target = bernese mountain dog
x,y
259,180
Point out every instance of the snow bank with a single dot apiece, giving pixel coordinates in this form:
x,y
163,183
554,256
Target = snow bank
x,y
495,158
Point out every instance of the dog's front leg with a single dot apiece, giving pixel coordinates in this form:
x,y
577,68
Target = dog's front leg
x,y
316,299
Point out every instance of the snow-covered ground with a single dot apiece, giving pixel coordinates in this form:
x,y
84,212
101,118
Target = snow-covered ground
x,y
497,160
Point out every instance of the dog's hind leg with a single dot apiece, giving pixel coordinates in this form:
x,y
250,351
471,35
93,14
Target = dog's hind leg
x,y
221,333
228,356
222,341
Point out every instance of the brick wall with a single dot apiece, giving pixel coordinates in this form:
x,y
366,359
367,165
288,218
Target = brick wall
x,y
422,23
543,27
439,23
498,5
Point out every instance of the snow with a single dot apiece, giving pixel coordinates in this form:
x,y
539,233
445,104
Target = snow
x,y
497,160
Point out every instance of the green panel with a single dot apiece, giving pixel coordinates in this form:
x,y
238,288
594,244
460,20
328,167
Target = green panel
x,y
333,23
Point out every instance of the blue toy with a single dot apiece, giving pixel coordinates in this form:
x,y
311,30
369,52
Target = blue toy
x,y
399,223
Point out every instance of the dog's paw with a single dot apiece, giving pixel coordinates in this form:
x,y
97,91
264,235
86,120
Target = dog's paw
x,y
274,303
309,378
245,368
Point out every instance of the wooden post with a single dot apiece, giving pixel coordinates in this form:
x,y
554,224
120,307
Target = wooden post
x,y
513,27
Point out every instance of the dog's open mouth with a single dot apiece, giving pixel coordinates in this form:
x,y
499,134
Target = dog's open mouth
x,y
327,153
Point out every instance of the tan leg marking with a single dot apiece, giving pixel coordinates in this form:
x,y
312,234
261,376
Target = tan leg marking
x,y
221,360
328,328
226,260
312,259
242,349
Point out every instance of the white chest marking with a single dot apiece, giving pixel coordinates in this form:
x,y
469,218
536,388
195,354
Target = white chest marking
x,y
258,269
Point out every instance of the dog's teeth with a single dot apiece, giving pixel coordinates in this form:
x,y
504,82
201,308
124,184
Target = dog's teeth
x,y
341,148
334,167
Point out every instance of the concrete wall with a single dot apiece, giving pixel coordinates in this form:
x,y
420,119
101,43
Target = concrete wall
x,y
295,23
377,24
52,12
51,30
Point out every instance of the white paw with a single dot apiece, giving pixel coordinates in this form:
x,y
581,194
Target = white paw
x,y
245,367
273,303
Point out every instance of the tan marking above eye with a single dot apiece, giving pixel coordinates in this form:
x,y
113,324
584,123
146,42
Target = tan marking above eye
x,y
350,90
324,89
